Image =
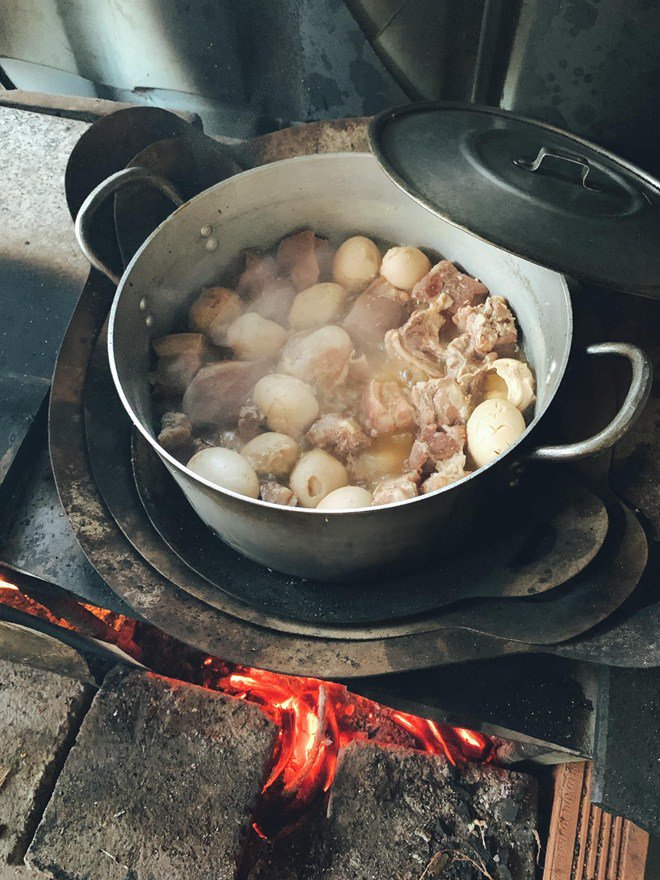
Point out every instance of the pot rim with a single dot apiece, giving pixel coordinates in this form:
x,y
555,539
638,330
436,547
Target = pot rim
x,y
172,462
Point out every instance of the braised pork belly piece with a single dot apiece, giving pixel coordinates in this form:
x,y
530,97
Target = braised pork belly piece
x,y
361,375
176,431
380,308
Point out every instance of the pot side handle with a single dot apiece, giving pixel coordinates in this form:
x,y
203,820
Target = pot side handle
x,y
111,185
632,406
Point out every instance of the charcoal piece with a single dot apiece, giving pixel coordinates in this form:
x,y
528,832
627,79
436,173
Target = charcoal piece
x,y
161,783
39,715
398,813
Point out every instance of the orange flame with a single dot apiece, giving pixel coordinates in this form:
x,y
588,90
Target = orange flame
x,y
315,718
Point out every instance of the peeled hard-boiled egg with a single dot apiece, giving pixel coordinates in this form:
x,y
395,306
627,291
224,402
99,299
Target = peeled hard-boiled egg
x,y
288,404
271,453
493,426
316,475
512,380
316,306
255,338
346,498
227,469
356,263
404,266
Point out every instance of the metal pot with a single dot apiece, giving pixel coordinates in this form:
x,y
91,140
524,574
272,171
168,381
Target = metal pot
x,y
337,195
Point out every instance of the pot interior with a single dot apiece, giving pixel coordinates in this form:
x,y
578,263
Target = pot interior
x,y
337,195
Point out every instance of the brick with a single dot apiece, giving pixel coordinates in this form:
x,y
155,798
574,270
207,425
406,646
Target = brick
x,y
587,842
161,783
397,813
40,713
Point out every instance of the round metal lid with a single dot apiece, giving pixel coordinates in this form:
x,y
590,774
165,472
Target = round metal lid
x,y
533,189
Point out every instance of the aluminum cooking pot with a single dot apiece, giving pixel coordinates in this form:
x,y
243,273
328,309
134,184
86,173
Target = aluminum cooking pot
x,y
337,195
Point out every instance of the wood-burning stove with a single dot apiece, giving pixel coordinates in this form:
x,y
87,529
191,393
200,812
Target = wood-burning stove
x,y
545,649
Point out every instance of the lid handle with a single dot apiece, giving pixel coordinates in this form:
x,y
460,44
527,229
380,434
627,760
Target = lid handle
x,y
544,153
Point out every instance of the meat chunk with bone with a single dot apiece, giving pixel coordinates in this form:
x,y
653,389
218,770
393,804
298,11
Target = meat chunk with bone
x,y
259,271
490,326
448,471
440,402
339,435
434,446
418,341
321,357
216,394
463,365
276,493
180,357
176,431
394,489
445,278
386,409
302,257
381,307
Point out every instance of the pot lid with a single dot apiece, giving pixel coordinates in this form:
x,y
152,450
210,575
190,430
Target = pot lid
x,y
533,189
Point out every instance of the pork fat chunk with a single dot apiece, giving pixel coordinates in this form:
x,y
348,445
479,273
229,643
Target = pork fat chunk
x,y
339,435
445,278
278,494
180,356
380,308
217,392
260,270
386,409
274,301
176,431
490,326
321,357
394,489
298,257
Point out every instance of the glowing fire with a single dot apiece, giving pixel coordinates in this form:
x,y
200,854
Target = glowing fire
x,y
315,718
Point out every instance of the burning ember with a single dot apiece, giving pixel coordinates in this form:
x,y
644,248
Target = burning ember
x,y
315,718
